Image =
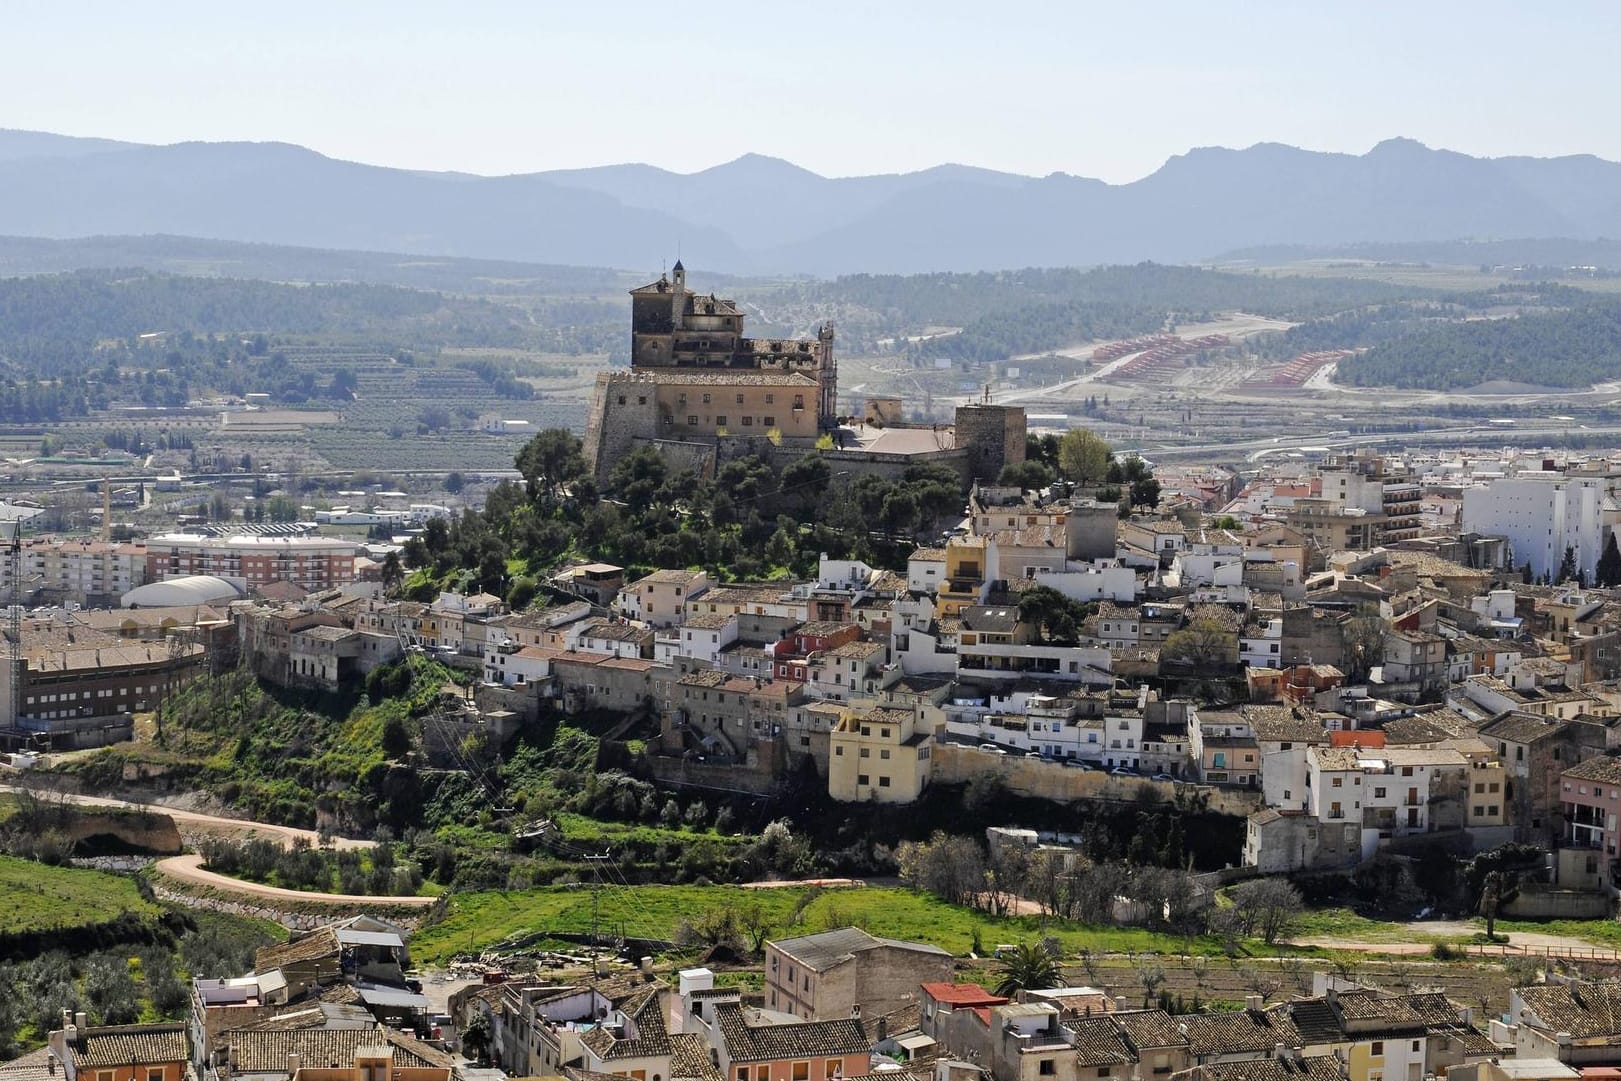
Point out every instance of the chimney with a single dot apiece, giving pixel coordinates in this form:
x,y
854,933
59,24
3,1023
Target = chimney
x,y
1252,1002
855,1012
50,1063
883,1029
1120,1002
79,1020
292,1064
1278,1051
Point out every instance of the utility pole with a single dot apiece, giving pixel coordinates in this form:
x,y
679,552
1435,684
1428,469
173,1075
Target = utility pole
x,y
596,862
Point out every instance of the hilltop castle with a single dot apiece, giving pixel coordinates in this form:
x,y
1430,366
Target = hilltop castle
x,y
699,390
696,379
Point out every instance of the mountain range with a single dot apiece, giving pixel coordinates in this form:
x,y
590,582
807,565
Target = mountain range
x,y
759,215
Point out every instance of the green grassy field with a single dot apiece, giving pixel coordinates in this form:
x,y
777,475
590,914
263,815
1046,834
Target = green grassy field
x,y
35,897
475,921
1598,932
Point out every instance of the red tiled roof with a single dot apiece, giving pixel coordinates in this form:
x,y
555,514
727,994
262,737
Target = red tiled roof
x,y
962,994
1366,738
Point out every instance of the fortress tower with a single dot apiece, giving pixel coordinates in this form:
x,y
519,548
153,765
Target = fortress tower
x,y
673,327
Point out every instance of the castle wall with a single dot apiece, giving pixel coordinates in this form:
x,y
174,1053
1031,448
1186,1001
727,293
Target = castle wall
x,y
624,411
993,435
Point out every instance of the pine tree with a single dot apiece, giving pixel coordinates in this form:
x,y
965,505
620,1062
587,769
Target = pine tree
x,y
1567,567
1608,572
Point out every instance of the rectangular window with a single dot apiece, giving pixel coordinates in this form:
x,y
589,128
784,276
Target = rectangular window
x,y
801,1071
834,1068
762,1073
1338,782
769,422
748,421
883,782
770,399
692,421
720,422
861,779
1378,1047
706,399
839,752
884,753
1378,793
1048,1068
866,752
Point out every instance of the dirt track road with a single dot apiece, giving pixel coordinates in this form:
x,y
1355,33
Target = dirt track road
x,y
190,869
1427,932
201,823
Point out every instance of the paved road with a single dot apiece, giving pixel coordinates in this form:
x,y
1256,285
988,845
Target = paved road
x,y
190,869
241,827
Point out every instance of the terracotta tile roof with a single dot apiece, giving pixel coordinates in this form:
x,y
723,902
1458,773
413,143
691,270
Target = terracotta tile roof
x,y
689,1058
1411,731
1246,1030
1279,724
1099,1043
1474,1042
1373,1006
1584,1010
318,944
754,1042
646,1013
1315,1068
34,1066
266,1052
1316,1020
1149,1028
107,1046
1433,1008
1520,728
1603,769
962,994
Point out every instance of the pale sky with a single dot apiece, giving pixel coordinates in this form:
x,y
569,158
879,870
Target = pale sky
x,y
1096,89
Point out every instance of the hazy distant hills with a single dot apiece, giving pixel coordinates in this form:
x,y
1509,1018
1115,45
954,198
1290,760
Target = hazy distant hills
x,y
762,215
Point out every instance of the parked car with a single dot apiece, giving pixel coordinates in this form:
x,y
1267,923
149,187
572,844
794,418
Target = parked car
x,y
1122,771
991,748
1164,777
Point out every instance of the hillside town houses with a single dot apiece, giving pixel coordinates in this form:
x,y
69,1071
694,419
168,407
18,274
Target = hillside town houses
x,y
1360,657
1353,654
336,1003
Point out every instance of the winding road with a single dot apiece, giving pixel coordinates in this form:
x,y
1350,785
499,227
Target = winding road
x,y
199,823
189,868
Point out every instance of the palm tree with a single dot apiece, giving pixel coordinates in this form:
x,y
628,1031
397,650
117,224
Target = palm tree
x,y
1028,968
